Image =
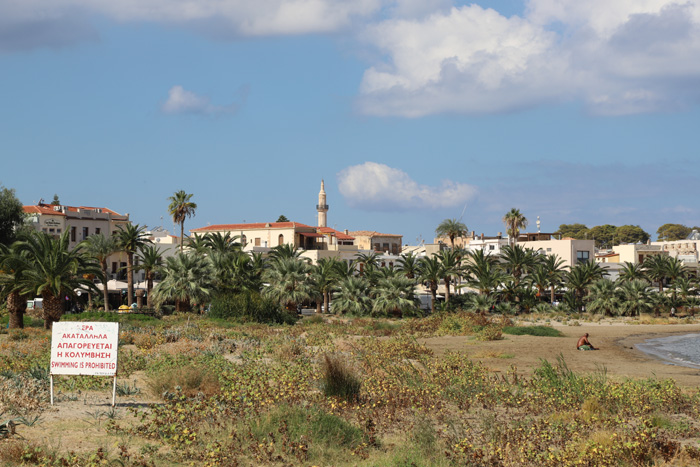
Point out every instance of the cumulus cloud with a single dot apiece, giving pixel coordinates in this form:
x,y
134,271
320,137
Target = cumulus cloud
x,y
378,187
621,57
182,101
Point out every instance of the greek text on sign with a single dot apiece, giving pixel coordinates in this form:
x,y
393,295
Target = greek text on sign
x,y
80,348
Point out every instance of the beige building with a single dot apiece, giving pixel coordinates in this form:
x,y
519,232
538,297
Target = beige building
x,y
377,242
636,252
81,222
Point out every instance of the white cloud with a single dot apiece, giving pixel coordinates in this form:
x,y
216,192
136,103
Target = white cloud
x,y
222,18
619,57
378,187
182,101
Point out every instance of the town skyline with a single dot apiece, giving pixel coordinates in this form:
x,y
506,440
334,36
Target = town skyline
x,y
412,112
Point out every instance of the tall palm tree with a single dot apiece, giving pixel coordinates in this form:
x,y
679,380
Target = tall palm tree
x,y
54,271
514,220
187,281
11,270
451,228
367,262
431,272
130,239
539,279
580,277
289,283
150,261
100,247
181,208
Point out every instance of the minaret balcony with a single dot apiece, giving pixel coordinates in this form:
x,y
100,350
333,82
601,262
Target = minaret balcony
x,y
322,207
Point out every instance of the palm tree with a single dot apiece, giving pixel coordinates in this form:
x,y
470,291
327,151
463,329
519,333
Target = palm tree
x,y
604,297
289,283
351,297
285,251
517,261
431,272
580,277
408,265
367,262
451,268
187,281
224,243
150,261
130,239
539,279
632,271
52,270
556,272
11,269
394,295
636,298
656,268
514,221
451,228
482,272
325,276
198,244
100,247
181,208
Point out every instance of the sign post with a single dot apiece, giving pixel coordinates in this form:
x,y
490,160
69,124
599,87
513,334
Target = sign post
x,y
85,348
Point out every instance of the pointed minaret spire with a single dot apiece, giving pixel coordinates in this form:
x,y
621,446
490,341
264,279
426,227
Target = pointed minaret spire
x,y
322,207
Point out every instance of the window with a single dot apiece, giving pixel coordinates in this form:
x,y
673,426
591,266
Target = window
x,y
244,240
114,267
85,233
582,256
257,241
376,247
385,247
492,247
44,229
549,250
52,230
58,230
72,234
97,230
280,240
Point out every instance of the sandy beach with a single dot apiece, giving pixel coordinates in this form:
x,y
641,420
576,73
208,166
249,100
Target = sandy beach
x,y
617,355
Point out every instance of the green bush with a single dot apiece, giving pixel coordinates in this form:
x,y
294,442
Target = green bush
x,y
541,331
249,307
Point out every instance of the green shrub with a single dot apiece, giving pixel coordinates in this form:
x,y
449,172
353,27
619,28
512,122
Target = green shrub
x,y
541,331
249,307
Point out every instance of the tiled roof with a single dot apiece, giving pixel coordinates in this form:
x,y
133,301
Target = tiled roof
x,y
252,226
48,209
339,235
42,209
371,233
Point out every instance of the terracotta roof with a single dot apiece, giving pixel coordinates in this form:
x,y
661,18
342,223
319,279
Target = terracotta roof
x,y
371,233
339,235
48,209
252,226
42,209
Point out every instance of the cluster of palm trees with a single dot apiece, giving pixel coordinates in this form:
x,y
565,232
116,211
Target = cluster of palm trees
x,y
39,264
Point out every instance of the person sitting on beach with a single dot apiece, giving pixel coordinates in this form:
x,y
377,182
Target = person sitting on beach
x,y
584,343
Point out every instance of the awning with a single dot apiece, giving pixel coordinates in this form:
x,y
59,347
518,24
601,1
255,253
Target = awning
x,y
311,234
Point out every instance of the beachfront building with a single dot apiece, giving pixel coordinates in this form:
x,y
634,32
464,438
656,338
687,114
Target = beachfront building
x,y
80,221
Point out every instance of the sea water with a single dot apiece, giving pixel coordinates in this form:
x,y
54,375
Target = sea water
x,y
681,350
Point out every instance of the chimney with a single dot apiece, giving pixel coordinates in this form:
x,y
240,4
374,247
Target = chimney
x,y
482,236
346,232
473,234
499,235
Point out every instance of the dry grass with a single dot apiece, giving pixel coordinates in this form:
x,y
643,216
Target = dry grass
x,y
190,380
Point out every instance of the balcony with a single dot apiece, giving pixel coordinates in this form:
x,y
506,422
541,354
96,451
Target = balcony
x,y
322,207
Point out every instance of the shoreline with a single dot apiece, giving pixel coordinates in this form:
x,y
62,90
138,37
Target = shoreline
x,y
618,356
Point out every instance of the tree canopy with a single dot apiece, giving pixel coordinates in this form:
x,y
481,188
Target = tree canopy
x,y
603,235
630,234
668,232
282,218
577,231
11,215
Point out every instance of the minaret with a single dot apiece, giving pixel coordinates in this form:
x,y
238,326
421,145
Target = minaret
x,y
322,207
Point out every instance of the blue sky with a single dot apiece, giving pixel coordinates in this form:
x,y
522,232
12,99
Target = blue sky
x,y
412,111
